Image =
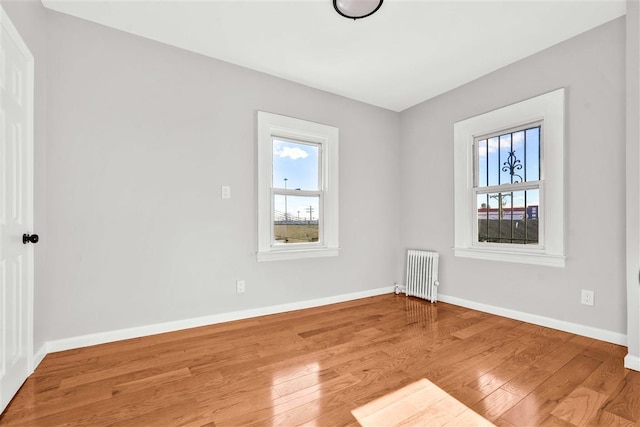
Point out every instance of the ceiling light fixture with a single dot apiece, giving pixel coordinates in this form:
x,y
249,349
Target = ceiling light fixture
x,y
356,9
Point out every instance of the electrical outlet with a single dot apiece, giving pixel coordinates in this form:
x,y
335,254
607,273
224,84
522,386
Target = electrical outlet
x,y
240,286
225,192
587,297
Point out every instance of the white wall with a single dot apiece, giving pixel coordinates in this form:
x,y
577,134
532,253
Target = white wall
x,y
140,138
592,68
633,183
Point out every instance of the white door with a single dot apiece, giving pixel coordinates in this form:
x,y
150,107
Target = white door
x,y
16,210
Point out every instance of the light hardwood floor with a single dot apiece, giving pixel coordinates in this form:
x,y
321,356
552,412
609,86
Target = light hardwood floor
x,y
387,360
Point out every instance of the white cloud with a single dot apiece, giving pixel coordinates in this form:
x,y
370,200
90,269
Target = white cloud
x,y
293,153
492,147
504,143
518,139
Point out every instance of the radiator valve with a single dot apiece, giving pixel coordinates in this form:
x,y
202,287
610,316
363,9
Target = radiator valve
x,y
396,288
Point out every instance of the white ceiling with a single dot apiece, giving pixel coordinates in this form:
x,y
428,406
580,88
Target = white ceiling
x,y
408,52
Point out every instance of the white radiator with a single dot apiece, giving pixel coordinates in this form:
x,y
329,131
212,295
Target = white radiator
x,y
422,274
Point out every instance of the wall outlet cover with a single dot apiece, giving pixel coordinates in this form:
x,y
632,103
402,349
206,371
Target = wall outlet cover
x,y
586,297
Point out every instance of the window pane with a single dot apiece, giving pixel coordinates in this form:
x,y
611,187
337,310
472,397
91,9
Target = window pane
x,y
509,217
510,158
494,162
505,150
295,219
533,154
517,150
482,163
296,166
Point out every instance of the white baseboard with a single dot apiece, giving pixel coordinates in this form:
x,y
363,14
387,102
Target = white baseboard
x,y
39,356
574,328
123,334
632,362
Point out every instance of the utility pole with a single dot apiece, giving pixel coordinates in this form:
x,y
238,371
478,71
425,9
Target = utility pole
x,y
310,210
502,201
286,215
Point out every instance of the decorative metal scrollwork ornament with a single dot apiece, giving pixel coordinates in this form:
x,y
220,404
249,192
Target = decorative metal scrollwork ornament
x,y
511,165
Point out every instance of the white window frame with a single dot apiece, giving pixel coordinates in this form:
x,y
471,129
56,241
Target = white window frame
x,y
273,126
549,110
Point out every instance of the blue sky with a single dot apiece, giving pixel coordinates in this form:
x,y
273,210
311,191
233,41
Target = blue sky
x,y
299,164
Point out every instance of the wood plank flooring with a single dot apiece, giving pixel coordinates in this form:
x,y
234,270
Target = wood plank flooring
x,y
386,360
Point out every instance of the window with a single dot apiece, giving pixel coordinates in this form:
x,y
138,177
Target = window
x,y
297,188
507,186
297,164
509,181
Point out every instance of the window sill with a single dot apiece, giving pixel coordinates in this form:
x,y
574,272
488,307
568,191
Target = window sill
x,y
279,255
548,260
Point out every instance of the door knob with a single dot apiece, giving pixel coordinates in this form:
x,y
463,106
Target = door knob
x,y
33,238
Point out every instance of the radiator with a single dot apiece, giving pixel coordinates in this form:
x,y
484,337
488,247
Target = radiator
x,y
422,275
